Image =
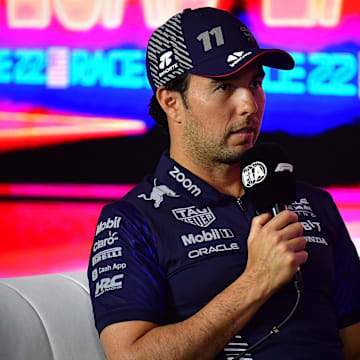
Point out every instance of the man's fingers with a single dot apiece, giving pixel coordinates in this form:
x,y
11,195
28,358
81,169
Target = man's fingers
x,y
282,219
258,223
292,230
296,244
301,257
261,220
296,247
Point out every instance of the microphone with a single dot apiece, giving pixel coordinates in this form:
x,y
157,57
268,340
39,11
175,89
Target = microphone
x,y
268,178
269,181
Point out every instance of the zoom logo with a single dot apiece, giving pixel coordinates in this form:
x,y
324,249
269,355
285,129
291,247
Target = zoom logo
x,y
184,181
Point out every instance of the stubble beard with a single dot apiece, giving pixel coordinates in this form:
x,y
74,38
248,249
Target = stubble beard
x,y
205,150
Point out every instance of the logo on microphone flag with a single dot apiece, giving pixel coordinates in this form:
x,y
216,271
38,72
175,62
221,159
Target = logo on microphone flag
x,y
253,174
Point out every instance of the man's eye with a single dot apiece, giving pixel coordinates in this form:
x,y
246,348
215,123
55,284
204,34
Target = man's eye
x,y
223,87
257,83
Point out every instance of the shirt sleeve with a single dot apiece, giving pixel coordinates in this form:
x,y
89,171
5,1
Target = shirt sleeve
x,y
125,279
347,272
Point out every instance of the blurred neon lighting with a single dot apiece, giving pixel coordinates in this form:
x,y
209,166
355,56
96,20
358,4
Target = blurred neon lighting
x,y
345,196
358,57
318,73
157,11
332,74
113,13
82,15
63,67
28,13
46,236
348,202
27,69
57,71
19,130
329,12
68,191
100,67
302,13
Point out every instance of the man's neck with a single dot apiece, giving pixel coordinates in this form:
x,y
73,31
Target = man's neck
x,y
226,178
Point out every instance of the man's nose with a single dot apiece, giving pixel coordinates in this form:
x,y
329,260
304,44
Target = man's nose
x,y
246,102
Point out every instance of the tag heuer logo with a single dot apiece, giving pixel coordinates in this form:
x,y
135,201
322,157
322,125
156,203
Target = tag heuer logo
x,y
194,216
236,57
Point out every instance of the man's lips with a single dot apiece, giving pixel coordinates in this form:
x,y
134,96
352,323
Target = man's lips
x,y
244,130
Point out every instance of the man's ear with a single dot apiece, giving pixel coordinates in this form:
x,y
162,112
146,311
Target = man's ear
x,y
171,102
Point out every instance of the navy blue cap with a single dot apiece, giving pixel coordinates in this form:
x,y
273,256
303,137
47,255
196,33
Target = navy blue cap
x,y
208,42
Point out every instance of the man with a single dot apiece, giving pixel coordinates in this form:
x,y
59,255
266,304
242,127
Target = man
x,y
182,267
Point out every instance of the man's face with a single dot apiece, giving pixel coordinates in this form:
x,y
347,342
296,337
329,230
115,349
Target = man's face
x,y
223,116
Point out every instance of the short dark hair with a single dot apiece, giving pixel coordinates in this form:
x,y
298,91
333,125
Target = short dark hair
x,y
179,84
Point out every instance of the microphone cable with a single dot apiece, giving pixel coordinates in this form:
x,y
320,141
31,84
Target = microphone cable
x,y
276,329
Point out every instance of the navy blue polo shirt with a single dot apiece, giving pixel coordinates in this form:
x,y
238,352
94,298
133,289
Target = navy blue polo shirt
x,y
173,243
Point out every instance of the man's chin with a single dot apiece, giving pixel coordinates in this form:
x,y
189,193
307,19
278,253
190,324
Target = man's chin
x,y
231,158
235,156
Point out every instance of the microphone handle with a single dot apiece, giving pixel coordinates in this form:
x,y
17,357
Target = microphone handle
x,y
298,282
277,208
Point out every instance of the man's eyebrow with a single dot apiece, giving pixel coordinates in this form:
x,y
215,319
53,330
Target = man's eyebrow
x,y
260,73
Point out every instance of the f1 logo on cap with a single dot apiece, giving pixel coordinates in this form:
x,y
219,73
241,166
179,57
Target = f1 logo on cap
x,y
165,60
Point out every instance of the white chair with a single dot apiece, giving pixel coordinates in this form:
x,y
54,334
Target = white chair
x,y
47,317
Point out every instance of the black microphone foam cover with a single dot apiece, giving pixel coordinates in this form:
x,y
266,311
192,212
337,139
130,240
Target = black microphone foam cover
x,y
268,176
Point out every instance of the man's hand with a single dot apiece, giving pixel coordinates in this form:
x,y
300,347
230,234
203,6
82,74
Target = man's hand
x,y
276,250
